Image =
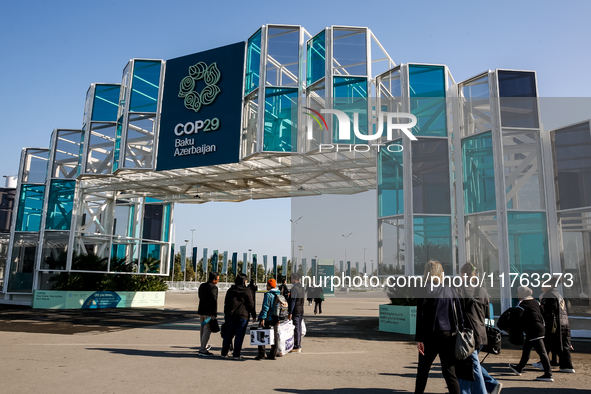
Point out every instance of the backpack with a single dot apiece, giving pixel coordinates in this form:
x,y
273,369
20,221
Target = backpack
x,y
279,310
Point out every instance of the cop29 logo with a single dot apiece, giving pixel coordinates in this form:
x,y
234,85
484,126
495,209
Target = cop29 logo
x,y
200,71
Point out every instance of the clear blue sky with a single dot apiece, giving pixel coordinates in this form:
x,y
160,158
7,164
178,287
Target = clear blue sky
x,y
52,51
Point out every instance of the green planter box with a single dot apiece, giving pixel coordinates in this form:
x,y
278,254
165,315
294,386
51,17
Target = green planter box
x,y
54,299
398,318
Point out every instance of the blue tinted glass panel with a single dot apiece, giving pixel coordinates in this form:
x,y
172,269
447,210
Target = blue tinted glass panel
x,y
528,242
281,120
117,150
432,241
430,176
145,86
153,222
106,103
253,63
390,192
316,58
166,236
150,258
517,92
350,96
427,99
60,205
479,179
30,208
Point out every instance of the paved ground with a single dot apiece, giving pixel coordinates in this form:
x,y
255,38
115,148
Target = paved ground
x,y
154,351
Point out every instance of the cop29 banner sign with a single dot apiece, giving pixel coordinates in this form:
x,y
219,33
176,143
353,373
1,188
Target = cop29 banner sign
x,y
201,109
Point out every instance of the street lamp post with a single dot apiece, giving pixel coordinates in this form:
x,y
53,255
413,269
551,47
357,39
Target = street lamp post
x,y
300,247
346,237
185,273
293,230
247,267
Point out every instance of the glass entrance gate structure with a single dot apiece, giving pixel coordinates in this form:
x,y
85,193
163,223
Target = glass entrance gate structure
x,y
483,182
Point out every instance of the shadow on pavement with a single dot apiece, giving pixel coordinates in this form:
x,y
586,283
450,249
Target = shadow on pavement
x,y
341,391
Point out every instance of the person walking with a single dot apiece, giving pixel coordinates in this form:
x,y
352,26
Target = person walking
x,y
557,339
528,317
435,329
208,310
309,294
284,289
296,311
267,319
475,305
253,287
238,306
318,298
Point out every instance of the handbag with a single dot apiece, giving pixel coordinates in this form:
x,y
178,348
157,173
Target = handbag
x,y
214,325
465,345
493,336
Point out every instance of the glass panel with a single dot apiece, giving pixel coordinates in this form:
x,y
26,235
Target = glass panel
x,y
106,102
349,52
572,166
121,220
152,228
528,243
316,58
430,176
91,253
81,151
67,151
390,187
22,262
35,168
283,47
482,247
87,103
249,128
7,197
391,247
253,63
432,241
517,92
523,163
30,207
427,99
576,258
144,88
4,240
60,205
100,148
390,88
475,105
151,256
55,250
350,96
281,120
317,102
124,256
479,177
167,212
140,141
117,148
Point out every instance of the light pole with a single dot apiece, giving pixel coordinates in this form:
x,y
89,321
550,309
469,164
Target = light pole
x,y
193,257
346,237
300,247
247,267
185,273
293,224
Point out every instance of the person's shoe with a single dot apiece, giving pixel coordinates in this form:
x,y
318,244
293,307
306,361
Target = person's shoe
x,y
270,358
497,388
538,365
226,356
295,351
207,347
547,377
260,357
566,370
205,354
515,369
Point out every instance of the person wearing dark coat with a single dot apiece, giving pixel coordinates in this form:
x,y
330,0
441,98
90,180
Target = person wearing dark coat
x,y
238,306
284,289
208,309
528,317
439,313
296,311
557,339
475,305
253,287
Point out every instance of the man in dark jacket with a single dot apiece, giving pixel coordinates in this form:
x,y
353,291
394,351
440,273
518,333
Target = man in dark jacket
x,y
284,289
557,339
208,309
296,311
528,315
253,287
238,306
